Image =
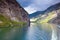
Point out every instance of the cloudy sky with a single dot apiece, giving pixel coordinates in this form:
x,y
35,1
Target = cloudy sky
x,y
32,6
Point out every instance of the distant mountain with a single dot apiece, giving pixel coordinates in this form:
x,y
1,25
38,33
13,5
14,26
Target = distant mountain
x,y
53,7
49,15
36,14
49,9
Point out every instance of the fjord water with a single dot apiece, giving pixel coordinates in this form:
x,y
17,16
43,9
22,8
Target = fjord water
x,y
39,31
36,31
12,33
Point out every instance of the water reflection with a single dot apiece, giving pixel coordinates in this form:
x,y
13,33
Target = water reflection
x,y
39,31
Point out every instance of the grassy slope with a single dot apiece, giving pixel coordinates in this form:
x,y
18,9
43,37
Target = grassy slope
x,y
48,18
7,24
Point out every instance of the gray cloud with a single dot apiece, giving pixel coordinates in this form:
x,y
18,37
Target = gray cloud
x,y
24,3
43,4
37,5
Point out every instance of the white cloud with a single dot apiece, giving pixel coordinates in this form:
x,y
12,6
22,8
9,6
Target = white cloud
x,y
40,5
30,9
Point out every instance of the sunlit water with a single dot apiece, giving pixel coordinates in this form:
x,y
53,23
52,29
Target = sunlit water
x,y
36,31
45,31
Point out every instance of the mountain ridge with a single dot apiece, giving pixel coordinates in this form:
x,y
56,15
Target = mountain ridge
x,y
49,9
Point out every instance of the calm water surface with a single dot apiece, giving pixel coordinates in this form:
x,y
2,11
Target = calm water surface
x,y
41,32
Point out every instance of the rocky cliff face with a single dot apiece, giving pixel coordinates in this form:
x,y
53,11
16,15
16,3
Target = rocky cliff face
x,y
57,19
11,10
14,20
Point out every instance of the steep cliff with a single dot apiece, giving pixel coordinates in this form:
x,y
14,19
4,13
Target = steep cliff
x,y
14,20
10,10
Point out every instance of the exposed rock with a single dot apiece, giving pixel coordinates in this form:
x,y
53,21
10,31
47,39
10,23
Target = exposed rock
x,y
44,15
57,19
10,9
14,20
